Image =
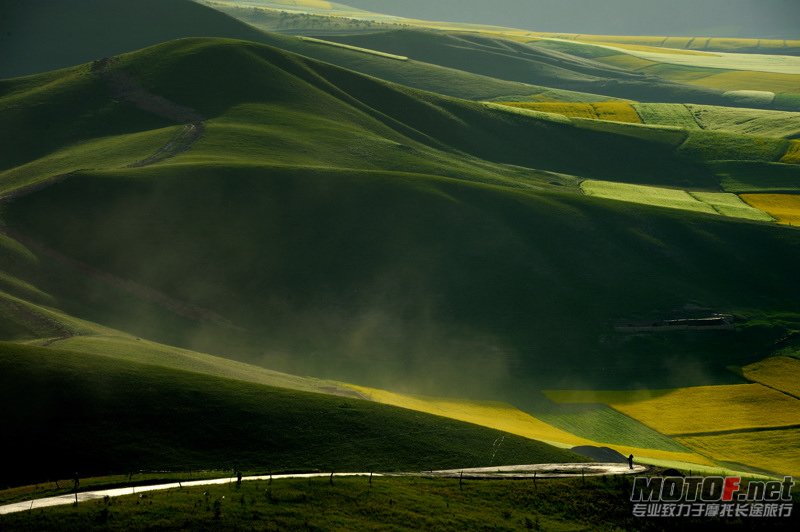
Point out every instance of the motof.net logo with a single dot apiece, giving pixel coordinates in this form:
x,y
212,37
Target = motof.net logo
x,y
711,497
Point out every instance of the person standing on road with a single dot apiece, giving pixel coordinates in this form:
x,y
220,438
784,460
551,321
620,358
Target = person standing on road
x,y
76,481
630,461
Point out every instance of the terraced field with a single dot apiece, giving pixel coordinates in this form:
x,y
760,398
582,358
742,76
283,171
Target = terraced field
x,y
714,203
785,208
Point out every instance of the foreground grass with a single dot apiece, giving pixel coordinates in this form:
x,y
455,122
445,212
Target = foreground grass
x,y
382,503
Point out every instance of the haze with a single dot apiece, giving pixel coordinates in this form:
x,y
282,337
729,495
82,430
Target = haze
x,y
777,19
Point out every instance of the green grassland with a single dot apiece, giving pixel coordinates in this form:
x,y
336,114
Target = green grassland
x,y
363,229
714,118
345,188
775,90
395,503
527,63
98,414
49,43
714,203
751,176
605,425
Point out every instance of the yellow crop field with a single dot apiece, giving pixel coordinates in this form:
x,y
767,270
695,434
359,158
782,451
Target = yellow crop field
x,y
696,409
499,416
704,44
509,419
781,373
746,80
610,111
792,155
783,207
772,450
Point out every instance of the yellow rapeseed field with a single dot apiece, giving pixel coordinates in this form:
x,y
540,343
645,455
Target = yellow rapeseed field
x,y
496,415
772,450
781,373
611,111
697,409
509,419
783,207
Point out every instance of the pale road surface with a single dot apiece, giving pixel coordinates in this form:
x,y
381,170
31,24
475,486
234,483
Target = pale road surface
x,y
502,472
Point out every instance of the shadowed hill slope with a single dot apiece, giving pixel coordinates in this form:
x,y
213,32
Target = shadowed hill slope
x,y
45,35
41,35
98,415
528,63
333,224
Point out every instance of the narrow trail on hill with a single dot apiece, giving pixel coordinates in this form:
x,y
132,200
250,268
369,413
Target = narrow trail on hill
x,y
37,320
125,88
519,472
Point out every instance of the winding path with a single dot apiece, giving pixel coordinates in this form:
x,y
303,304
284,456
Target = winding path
x,y
501,472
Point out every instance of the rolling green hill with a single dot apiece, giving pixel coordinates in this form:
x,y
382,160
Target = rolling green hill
x,y
98,414
530,63
61,33
328,223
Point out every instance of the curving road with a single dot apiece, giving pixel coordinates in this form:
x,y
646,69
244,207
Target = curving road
x,y
502,472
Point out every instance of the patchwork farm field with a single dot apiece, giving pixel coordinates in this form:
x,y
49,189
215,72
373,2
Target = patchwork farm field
x,y
698,409
785,208
714,203
503,415
780,373
618,432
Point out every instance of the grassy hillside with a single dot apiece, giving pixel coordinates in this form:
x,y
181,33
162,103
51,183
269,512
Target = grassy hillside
x,y
45,35
528,63
60,34
97,415
347,241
